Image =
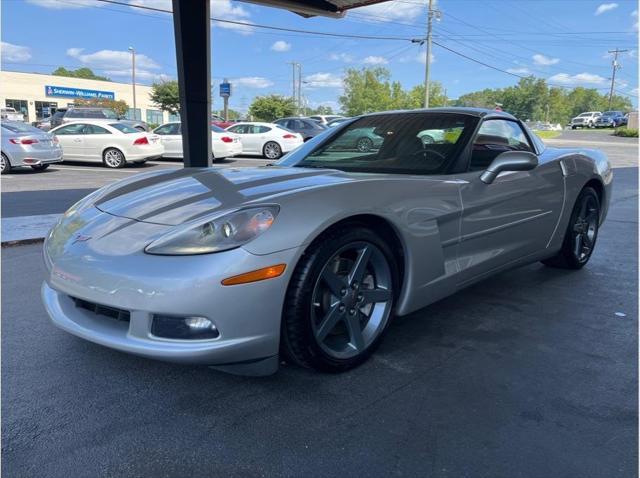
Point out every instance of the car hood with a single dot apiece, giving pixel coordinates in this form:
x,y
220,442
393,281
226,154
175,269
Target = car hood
x,y
177,196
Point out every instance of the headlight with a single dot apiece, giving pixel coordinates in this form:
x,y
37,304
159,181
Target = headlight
x,y
214,235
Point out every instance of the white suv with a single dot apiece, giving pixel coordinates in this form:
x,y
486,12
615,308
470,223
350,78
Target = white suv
x,y
587,119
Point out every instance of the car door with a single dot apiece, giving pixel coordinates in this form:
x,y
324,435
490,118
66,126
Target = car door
x,y
171,138
513,217
242,130
71,138
95,140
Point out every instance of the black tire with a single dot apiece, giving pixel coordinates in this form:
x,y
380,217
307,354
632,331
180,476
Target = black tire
x,y
573,127
271,150
300,324
581,234
5,164
113,158
40,167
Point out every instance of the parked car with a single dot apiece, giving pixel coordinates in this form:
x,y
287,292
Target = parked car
x,y
114,144
312,258
10,114
25,145
610,119
305,127
224,144
43,125
325,119
587,120
266,139
543,126
220,122
625,120
81,113
335,122
360,139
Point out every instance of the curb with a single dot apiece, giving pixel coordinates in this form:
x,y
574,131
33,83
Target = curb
x,y
22,242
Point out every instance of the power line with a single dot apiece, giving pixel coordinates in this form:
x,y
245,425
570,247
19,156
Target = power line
x,y
268,27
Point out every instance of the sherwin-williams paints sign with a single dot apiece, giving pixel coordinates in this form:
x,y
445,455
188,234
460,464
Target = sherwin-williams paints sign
x,y
66,92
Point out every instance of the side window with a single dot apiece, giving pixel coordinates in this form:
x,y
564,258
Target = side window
x,y
93,129
168,129
239,129
263,129
76,128
494,137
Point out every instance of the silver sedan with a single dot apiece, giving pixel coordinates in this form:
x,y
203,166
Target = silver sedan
x,y
310,259
25,145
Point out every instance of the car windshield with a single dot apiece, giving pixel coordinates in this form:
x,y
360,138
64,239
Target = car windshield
x,y
584,115
20,128
124,128
418,143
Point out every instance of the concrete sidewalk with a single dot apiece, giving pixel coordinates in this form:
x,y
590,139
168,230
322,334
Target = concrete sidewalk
x,y
17,230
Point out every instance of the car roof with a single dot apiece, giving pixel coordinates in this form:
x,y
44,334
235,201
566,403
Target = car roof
x,y
465,110
98,122
257,123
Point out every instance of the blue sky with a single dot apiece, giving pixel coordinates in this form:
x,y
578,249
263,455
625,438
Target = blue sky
x,y
560,40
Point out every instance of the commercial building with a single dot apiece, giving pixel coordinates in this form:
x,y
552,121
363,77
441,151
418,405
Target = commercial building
x,y
37,96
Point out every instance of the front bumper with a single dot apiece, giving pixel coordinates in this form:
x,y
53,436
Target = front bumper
x,y
246,316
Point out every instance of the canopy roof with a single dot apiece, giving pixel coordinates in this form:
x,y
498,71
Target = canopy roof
x,y
310,8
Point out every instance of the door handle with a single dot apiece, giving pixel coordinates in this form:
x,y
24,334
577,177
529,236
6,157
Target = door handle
x,y
77,141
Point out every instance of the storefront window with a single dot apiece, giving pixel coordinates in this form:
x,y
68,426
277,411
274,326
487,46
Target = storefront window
x,y
131,115
44,109
154,117
19,105
173,117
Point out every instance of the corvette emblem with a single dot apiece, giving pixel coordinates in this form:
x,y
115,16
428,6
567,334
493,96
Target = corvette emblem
x,y
80,238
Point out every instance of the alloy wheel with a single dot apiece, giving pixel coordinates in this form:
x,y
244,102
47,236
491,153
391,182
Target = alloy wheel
x,y
113,158
272,150
3,164
351,300
585,228
364,145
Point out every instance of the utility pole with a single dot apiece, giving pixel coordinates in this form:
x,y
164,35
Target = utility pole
x,y
299,89
427,66
615,65
293,80
133,81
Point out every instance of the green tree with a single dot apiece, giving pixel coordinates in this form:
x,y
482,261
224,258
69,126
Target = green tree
x,y
119,106
166,96
271,107
84,72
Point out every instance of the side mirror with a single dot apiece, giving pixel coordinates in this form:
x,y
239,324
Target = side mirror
x,y
509,161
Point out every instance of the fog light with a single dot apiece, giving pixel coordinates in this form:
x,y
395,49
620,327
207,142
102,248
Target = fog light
x,y
185,328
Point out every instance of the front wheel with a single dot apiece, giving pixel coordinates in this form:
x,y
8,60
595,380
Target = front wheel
x,y
113,158
581,234
364,144
40,167
339,300
272,150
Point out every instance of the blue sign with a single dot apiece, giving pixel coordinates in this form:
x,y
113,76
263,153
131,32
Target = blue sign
x,y
225,89
66,92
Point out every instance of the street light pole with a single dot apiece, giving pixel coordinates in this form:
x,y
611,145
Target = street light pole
x,y
427,66
133,80
615,66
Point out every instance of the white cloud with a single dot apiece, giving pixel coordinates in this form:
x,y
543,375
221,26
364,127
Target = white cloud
x,y
579,79
519,71
392,11
634,92
65,4
112,59
15,53
281,45
345,57
634,14
375,60
605,7
542,60
222,9
422,58
252,82
323,80
143,75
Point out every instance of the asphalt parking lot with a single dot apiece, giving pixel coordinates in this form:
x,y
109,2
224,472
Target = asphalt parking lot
x,y
530,373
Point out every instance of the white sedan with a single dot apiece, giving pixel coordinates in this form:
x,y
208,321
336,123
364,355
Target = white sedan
x,y
114,144
223,143
266,139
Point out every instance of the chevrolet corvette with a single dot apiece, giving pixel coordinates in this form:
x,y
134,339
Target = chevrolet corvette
x,y
310,258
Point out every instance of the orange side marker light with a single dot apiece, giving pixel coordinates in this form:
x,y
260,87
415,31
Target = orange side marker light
x,y
257,275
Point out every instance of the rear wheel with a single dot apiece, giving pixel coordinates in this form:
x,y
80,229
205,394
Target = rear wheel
x,y
340,300
272,150
40,167
581,234
5,165
364,144
113,158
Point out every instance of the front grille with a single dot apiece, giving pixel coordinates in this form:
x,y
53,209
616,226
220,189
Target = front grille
x,y
111,312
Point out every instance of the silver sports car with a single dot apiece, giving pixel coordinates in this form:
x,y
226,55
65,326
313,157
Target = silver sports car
x,y
310,259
